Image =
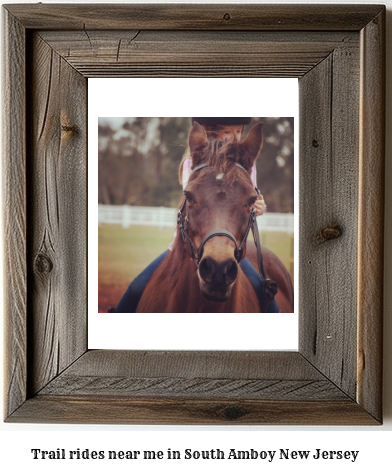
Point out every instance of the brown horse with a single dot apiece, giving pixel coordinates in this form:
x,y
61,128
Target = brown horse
x,y
216,215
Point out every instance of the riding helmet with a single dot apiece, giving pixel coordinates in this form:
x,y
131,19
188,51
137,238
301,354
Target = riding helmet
x,y
222,120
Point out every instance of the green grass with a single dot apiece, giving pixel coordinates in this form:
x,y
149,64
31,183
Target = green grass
x,y
122,255
282,245
126,252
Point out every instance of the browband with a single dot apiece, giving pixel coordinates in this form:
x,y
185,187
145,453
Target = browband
x,y
205,165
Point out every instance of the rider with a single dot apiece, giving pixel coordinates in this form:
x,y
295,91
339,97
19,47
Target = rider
x,y
218,128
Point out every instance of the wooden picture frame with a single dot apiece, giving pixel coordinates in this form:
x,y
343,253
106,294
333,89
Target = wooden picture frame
x,y
338,54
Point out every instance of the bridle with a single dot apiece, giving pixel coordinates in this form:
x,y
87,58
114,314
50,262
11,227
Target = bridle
x,y
269,287
197,254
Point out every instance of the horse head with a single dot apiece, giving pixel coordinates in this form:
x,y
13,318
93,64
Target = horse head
x,y
219,202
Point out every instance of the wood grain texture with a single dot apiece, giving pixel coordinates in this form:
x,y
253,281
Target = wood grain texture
x,y
14,212
193,17
193,53
122,410
329,200
190,374
371,216
208,364
57,215
201,387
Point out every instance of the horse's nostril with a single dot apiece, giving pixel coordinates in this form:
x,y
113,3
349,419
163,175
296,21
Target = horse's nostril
x,y
219,273
231,271
207,269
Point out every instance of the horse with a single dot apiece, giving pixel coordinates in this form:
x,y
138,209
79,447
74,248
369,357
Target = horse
x,y
202,273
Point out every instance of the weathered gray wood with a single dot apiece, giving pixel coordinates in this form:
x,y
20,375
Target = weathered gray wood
x,y
193,17
329,199
103,409
57,215
121,42
208,364
193,71
14,212
128,53
371,216
208,375
204,388
344,214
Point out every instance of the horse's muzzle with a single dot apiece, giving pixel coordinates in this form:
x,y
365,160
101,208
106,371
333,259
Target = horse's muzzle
x,y
216,298
217,278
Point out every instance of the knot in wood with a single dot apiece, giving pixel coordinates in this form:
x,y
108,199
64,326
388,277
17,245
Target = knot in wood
x,y
227,16
43,264
328,233
232,413
69,128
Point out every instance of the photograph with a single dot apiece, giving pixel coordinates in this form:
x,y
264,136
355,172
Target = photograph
x,y
196,214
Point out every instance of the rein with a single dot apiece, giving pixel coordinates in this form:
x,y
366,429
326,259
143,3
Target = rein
x,y
269,287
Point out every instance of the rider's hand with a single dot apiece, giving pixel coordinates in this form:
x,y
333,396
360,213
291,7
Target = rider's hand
x,y
260,206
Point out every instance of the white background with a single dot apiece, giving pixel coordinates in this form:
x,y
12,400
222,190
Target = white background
x,y
374,444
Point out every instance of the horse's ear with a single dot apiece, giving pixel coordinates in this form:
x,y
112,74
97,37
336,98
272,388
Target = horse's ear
x,y
252,145
197,137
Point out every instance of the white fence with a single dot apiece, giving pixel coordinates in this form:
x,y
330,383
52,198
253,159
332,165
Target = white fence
x,y
166,217
137,215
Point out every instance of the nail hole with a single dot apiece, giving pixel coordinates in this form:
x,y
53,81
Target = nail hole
x,y
315,143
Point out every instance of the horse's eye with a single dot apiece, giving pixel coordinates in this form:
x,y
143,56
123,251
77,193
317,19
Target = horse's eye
x,y
189,197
